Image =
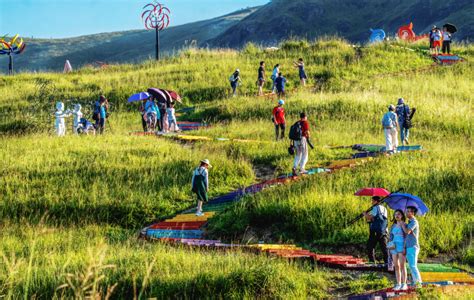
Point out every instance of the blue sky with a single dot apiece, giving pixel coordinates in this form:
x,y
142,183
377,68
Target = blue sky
x,y
67,18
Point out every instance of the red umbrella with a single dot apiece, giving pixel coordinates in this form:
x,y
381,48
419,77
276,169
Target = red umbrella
x,y
372,192
175,96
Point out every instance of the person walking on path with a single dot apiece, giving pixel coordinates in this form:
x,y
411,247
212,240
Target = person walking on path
x,y
141,109
172,123
299,134
437,36
390,125
280,85
403,113
446,41
103,113
261,78
431,36
276,70
162,108
279,120
234,81
200,184
397,250
377,219
301,71
412,231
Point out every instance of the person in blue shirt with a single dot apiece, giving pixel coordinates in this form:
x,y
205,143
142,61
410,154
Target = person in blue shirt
x,y
102,113
403,113
152,113
280,85
390,125
412,231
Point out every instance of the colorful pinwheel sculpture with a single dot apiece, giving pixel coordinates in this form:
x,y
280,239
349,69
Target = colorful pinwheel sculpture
x,y
156,16
14,47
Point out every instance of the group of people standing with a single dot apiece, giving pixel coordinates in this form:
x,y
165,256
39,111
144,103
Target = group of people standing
x,y
397,119
81,125
159,114
440,40
278,80
400,241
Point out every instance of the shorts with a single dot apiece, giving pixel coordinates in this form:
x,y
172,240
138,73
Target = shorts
x,y
260,82
399,248
436,44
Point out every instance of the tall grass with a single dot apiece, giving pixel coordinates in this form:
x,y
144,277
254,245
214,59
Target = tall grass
x,y
98,191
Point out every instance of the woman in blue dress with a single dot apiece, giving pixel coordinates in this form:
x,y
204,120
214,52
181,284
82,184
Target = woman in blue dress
x,y
396,246
302,73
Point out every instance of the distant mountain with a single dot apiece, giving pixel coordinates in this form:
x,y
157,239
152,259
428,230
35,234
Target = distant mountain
x,y
118,47
351,19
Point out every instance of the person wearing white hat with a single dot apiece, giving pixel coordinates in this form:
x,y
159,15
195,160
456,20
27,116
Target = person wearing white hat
x,y
200,184
390,125
279,119
234,81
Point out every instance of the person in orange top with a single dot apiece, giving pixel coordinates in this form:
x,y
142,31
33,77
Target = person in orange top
x,y
279,120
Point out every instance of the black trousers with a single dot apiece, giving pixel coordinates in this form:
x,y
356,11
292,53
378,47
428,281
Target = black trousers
x,y
446,47
143,124
277,129
161,124
374,239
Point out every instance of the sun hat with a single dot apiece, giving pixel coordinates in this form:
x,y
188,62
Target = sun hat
x,y
391,107
237,70
281,102
206,161
401,101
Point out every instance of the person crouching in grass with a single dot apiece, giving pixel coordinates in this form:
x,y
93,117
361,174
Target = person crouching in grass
x,y
200,184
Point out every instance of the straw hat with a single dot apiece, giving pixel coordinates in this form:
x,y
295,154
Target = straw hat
x,y
206,161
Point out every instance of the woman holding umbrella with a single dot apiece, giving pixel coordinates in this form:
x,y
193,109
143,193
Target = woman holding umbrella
x,y
413,206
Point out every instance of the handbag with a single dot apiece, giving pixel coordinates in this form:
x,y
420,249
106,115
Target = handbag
x,y
291,150
391,245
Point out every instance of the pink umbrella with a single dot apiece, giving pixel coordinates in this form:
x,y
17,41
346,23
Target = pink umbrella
x,y
372,192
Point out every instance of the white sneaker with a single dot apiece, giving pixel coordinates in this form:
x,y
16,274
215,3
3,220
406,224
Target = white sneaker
x,y
397,287
404,287
199,214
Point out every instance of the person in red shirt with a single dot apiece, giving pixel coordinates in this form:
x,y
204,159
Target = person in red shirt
x,y
279,120
301,146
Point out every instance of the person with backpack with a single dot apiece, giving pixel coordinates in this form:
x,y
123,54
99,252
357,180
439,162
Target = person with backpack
x,y
299,136
279,120
276,70
200,184
261,78
390,125
404,121
412,245
234,81
280,85
377,219
301,71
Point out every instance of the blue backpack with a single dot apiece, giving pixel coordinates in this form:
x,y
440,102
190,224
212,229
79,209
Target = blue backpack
x,y
387,120
379,223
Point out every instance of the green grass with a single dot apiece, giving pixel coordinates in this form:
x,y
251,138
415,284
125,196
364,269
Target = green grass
x,y
74,205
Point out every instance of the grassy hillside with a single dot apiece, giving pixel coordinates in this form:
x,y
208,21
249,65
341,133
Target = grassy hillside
x,y
73,206
352,20
118,47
